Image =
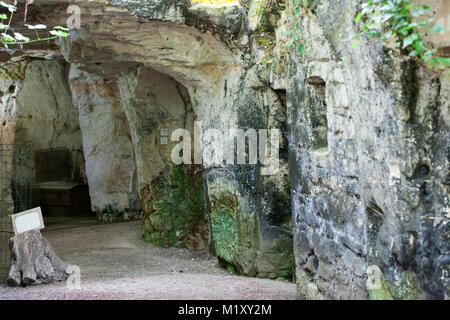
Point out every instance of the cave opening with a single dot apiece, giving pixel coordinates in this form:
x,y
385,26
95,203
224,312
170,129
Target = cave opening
x,y
127,105
47,120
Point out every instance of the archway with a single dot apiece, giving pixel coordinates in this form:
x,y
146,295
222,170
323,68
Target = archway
x,y
115,56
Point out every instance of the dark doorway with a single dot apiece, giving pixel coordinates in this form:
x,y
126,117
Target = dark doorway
x,y
59,190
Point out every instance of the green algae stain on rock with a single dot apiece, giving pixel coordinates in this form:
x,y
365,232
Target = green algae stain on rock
x,y
225,231
225,201
377,284
173,209
235,231
225,224
408,288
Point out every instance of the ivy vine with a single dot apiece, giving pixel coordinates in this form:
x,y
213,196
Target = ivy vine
x,y
405,24
294,35
9,37
264,35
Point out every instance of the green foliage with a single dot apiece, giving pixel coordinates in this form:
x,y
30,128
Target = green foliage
x,y
402,22
265,30
295,38
8,37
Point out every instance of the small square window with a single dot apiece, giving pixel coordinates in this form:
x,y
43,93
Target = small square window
x,y
164,140
164,132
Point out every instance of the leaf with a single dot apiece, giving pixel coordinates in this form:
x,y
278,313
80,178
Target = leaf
x,y
20,37
426,57
404,31
6,37
11,8
438,28
358,17
67,29
388,35
409,40
418,45
38,26
442,60
3,16
356,44
58,33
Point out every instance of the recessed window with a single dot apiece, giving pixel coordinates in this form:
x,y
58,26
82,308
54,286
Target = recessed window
x,y
317,108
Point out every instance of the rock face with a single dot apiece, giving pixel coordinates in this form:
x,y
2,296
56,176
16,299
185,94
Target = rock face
x,y
33,261
45,114
11,77
172,195
361,190
368,166
36,107
110,163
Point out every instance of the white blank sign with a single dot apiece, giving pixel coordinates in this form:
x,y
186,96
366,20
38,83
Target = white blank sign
x,y
27,220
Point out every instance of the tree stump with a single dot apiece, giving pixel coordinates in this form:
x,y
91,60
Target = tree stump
x,y
33,260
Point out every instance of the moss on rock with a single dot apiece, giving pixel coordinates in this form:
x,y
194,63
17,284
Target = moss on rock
x,y
225,225
377,284
236,230
408,288
173,209
225,231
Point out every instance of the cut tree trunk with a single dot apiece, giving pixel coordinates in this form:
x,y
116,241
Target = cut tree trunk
x,y
33,260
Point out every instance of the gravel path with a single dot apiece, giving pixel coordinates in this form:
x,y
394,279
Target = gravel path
x,y
116,264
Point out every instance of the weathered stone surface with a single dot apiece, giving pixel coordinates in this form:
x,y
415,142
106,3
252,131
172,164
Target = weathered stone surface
x,y
172,196
11,80
109,154
33,261
173,206
45,115
366,192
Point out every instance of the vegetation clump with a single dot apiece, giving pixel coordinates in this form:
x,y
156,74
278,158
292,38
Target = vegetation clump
x,y
9,37
404,23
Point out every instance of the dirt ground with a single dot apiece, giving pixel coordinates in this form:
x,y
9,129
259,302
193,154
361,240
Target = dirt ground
x,y
116,264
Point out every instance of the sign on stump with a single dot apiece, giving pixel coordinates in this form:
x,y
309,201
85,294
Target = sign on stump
x,y
27,221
